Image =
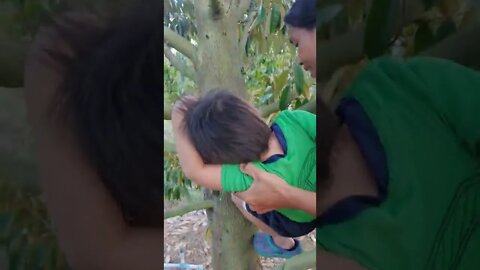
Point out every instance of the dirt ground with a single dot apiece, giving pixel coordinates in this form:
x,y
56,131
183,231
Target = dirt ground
x,y
188,232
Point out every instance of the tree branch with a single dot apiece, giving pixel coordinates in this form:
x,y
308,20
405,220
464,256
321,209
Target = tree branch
x,y
265,111
311,106
186,71
304,260
194,206
180,44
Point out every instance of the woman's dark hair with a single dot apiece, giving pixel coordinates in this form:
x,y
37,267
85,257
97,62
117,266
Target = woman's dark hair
x,y
225,129
302,14
112,98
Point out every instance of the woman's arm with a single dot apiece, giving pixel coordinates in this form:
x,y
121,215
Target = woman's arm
x,y
206,175
90,226
280,194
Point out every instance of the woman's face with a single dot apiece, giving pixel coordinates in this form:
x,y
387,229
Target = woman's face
x,y
306,42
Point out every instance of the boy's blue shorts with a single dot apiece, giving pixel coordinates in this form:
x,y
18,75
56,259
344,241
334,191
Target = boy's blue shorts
x,y
283,225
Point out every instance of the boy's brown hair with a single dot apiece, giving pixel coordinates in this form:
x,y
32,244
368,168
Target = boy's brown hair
x,y
224,128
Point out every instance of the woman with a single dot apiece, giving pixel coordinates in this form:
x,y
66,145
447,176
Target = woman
x,y
301,22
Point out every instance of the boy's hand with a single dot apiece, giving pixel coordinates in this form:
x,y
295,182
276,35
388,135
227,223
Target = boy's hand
x,y
180,106
267,192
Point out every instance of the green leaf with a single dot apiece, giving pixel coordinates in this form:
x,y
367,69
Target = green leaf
x,y
298,103
247,45
380,26
261,17
176,193
328,13
306,90
447,28
299,78
424,37
277,42
279,82
276,17
285,98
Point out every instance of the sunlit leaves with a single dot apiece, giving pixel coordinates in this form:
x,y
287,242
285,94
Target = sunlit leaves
x,y
176,186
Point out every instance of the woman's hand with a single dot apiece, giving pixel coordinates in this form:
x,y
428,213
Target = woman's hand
x,y
269,192
180,106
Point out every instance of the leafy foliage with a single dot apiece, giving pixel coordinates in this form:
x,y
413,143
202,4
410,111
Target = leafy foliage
x,y
25,16
176,186
175,84
26,231
270,77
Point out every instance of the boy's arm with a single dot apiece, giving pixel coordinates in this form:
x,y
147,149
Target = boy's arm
x,y
206,175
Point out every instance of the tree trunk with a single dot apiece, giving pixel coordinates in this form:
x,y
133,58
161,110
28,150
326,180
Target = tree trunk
x,y
219,66
218,55
231,246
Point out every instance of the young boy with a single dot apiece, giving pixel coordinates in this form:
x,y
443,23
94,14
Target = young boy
x,y
219,131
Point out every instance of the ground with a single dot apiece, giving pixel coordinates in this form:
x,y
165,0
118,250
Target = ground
x,y
188,232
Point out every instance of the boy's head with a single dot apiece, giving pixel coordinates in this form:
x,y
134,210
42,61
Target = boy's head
x,y
225,129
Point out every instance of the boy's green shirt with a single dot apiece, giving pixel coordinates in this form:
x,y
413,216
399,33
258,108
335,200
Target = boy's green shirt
x,y
297,167
427,115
